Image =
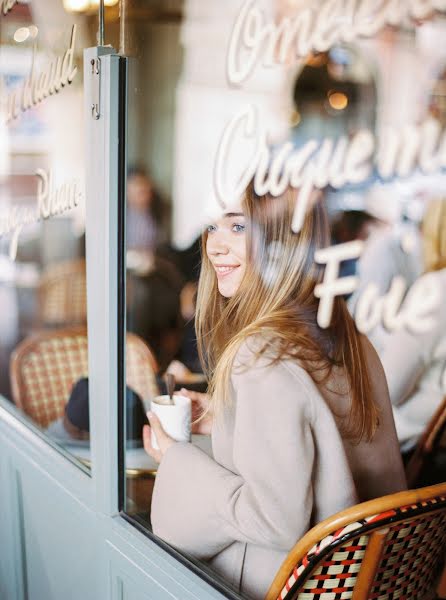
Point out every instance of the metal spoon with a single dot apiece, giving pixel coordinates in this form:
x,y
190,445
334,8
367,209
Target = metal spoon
x,y
170,382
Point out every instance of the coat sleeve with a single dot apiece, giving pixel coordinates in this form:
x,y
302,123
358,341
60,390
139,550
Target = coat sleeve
x,y
201,508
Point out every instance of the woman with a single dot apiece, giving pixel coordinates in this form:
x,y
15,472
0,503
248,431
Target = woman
x,y
145,212
415,362
294,412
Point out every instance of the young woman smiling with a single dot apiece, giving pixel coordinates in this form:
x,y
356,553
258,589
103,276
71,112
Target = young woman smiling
x,y
300,428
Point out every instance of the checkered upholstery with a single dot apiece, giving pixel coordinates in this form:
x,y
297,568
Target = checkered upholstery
x,y
63,294
47,373
413,556
45,367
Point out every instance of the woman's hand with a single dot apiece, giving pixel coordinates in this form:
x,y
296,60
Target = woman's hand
x,y
164,441
200,402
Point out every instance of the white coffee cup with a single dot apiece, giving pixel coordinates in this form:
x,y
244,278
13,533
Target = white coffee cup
x,y
175,418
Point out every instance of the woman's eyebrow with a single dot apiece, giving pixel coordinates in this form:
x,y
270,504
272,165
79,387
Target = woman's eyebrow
x,y
234,215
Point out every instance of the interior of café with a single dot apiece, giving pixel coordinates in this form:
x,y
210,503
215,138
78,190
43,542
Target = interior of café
x,y
127,128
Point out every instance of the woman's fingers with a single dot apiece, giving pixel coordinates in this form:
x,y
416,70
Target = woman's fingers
x,y
147,441
199,397
163,440
200,403
155,424
188,393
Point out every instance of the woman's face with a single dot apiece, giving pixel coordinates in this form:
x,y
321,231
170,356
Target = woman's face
x,y
226,249
139,192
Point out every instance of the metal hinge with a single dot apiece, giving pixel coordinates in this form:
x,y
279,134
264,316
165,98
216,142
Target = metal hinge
x,y
96,88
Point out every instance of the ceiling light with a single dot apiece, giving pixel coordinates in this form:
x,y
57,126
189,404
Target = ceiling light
x,y
76,5
295,118
337,100
21,34
86,6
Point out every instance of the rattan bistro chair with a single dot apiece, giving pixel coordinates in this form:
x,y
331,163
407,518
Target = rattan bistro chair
x,y
383,549
63,294
427,464
45,366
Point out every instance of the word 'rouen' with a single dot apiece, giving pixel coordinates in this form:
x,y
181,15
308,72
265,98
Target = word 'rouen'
x,y
51,201
7,5
56,74
316,164
313,29
417,313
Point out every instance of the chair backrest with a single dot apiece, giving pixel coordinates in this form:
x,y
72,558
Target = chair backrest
x,y
421,466
141,368
45,366
391,547
63,294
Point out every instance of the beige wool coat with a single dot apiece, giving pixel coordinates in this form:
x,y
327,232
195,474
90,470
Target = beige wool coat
x,y
279,466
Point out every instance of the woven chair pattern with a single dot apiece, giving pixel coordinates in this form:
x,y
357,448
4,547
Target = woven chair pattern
x,y
329,570
410,542
140,374
48,373
63,294
53,364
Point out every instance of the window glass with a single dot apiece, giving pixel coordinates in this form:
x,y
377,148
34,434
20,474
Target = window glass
x,y
43,321
275,99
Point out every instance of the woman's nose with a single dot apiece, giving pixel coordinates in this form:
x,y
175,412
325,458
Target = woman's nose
x,y
217,245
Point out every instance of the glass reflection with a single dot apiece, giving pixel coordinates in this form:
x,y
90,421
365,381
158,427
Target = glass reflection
x,y
341,120
43,322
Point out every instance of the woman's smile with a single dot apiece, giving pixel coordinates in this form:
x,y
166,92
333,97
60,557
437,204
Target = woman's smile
x,y
225,270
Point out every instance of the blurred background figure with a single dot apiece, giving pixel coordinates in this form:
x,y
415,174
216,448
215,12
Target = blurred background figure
x,y
393,248
153,308
146,212
189,262
153,281
352,225
415,363
73,427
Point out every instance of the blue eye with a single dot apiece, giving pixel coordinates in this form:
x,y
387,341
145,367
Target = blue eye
x,y
211,228
238,228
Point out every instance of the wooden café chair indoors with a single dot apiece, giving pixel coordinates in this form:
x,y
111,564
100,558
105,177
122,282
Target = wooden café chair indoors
x,y
63,294
45,366
427,465
388,548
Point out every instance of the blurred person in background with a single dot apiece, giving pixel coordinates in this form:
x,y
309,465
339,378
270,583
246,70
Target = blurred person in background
x,y
154,308
153,281
146,212
73,428
393,249
415,363
350,225
187,361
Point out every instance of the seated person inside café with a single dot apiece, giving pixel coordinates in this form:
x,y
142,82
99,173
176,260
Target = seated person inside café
x,y
153,281
73,427
160,279
146,212
300,416
415,360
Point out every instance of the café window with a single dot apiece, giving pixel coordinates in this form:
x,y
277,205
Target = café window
x,y
43,320
338,116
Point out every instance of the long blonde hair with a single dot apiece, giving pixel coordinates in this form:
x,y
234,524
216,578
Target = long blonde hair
x,y
276,300
434,235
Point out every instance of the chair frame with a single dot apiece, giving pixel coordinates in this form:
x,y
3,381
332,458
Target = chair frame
x,y
377,528
27,345
429,443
